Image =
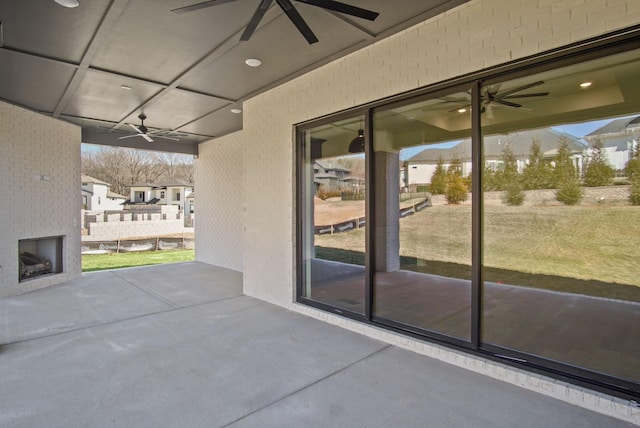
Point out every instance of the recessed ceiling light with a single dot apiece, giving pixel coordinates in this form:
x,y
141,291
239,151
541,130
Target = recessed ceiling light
x,y
125,87
584,85
462,110
253,62
236,110
68,3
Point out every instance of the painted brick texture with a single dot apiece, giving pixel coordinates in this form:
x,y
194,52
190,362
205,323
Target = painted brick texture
x,y
471,37
219,172
39,190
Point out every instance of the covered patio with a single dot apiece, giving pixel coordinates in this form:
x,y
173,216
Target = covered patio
x,y
180,345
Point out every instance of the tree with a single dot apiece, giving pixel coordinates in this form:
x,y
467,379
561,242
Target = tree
x,y
512,184
565,180
122,167
537,173
632,170
439,178
456,191
597,171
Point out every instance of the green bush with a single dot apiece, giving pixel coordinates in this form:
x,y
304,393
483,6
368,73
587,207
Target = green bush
x,y
634,196
439,179
456,191
422,188
597,171
569,193
514,196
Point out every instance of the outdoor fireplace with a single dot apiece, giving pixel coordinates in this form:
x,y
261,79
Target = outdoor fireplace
x,y
39,256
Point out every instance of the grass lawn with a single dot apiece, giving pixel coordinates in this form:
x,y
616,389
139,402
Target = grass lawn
x,y
579,249
94,262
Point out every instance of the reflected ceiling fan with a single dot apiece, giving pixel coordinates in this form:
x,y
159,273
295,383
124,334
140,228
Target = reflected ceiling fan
x,y
492,97
143,131
291,11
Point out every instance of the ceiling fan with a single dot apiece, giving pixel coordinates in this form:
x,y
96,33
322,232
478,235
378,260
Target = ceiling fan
x,y
143,131
492,97
291,11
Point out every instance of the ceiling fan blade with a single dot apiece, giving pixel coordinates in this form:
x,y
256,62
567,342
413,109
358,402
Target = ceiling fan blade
x,y
343,8
520,88
200,5
507,103
537,94
297,20
255,20
166,138
135,128
129,136
146,137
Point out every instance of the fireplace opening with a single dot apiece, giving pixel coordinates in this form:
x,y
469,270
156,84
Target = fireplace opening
x,y
39,256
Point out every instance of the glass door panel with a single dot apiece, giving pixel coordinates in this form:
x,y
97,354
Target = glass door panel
x,y
333,214
561,225
422,237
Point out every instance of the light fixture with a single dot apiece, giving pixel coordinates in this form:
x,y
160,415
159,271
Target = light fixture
x,y
68,3
125,87
357,144
236,111
585,85
462,110
253,62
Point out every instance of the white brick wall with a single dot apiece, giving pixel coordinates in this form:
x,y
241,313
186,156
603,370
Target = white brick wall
x,y
476,35
33,146
219,172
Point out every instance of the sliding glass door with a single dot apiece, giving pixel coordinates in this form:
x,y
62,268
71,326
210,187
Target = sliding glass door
x,y
500,214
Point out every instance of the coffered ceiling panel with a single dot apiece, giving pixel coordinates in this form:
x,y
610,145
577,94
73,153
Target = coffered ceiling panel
x,y
31,81
109,97
230,77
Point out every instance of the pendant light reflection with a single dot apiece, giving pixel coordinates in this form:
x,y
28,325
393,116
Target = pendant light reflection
x,y
357,144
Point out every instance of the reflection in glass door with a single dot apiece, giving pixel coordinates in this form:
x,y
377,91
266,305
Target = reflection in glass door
x,y
333,214
422,158
561,231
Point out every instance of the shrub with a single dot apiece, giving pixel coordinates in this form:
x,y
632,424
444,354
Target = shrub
x,y
634,196
424,188
324,195
439,178
457,191
514,196
569,193
537,173
597,171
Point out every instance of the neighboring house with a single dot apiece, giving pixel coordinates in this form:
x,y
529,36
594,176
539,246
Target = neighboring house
x,y
420,168
618,138
332,177
173,192
97,195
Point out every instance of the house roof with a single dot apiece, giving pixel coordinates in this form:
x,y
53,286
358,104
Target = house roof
x,y
331,166
615,126
115,195
163,184
520,143
89,179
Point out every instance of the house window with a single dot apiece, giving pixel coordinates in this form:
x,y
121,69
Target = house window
x,y
177,196
162,194
523,248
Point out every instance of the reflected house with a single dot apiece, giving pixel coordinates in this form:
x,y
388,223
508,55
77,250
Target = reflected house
x,y
330,176
618,138
420,167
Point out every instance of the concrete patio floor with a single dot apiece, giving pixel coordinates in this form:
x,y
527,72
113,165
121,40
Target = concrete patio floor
x,y
180,346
